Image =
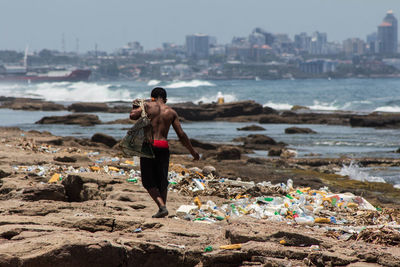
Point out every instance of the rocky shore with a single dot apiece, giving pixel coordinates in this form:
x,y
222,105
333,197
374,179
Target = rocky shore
x,y
75,202
242,111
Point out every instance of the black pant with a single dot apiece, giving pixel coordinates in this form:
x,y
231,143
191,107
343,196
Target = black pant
x,y
155,171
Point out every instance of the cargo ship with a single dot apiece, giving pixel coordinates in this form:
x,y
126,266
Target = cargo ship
x,y
22,74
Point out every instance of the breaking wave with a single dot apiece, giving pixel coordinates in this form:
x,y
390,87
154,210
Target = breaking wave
x,y
278,106
194,83
153,82
205,99
323,106
214,98
80,91
388,109
355,172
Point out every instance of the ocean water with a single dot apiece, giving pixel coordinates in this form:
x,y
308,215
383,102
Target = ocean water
x,y
358,95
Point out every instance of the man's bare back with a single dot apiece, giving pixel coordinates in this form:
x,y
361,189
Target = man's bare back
x,y
162,117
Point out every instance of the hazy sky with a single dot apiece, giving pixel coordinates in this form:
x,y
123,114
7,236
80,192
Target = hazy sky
x,y
111,24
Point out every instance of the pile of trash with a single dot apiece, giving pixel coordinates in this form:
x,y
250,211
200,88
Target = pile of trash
x,y
114,167
343,215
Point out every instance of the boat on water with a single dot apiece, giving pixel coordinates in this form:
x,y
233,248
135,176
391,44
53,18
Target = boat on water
x,y
33,74
22,74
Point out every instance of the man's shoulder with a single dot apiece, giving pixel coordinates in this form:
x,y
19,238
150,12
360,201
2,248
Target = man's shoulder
x,y
169,110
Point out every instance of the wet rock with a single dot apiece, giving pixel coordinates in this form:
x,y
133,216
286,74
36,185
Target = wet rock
x,y
81,119
259,141
73,186
376,120
192,112
275,152
120,121
205,146
237,109
288,153
209,170
269,110
298,130
88,107
104,139
65,159
298,107
228,153
54,192
258,161
55,142
29,104
251,128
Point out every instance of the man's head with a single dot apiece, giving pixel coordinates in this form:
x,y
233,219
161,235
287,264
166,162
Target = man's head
x,y
159,92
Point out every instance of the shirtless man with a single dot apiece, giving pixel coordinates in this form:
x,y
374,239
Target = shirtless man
x,y
155,171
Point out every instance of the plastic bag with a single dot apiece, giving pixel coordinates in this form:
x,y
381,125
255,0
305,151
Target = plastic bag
x,y
137,141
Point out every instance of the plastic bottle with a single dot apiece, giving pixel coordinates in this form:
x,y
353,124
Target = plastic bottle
x,y
131,180
234,210
304,220
289,184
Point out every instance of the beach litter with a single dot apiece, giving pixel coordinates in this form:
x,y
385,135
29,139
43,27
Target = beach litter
x,y
342,215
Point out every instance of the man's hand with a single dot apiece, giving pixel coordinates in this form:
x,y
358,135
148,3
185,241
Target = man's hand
x,y
195,155
135,113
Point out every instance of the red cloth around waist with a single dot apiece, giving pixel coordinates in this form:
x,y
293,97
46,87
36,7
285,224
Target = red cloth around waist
x,y
160,144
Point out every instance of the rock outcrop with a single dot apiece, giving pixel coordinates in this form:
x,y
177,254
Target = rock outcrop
x,y
104,139
29,104
81,119
298,130
251,128
88,107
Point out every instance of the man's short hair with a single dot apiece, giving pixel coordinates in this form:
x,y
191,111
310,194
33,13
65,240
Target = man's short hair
x,y
159,92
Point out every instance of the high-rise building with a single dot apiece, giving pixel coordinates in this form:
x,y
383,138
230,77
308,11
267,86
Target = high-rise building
x,y
372,43
197,46
318,43
387,34
353,46
302,41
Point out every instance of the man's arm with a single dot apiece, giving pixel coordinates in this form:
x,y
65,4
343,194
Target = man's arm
x,y
135,113
183,137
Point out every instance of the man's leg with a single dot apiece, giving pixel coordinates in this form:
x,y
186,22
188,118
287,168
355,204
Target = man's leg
x,y
147,167
163,194
156,196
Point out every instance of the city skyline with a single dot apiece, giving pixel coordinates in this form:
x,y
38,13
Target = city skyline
x,y
154,22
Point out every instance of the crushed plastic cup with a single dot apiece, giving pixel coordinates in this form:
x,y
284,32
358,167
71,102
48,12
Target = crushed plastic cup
x,y
208,249
197,202
199,185
56,177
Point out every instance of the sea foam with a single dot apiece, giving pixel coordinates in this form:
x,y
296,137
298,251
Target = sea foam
x,y
323,106
355,172
153,82
278,106
80,91
193,83
388,109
